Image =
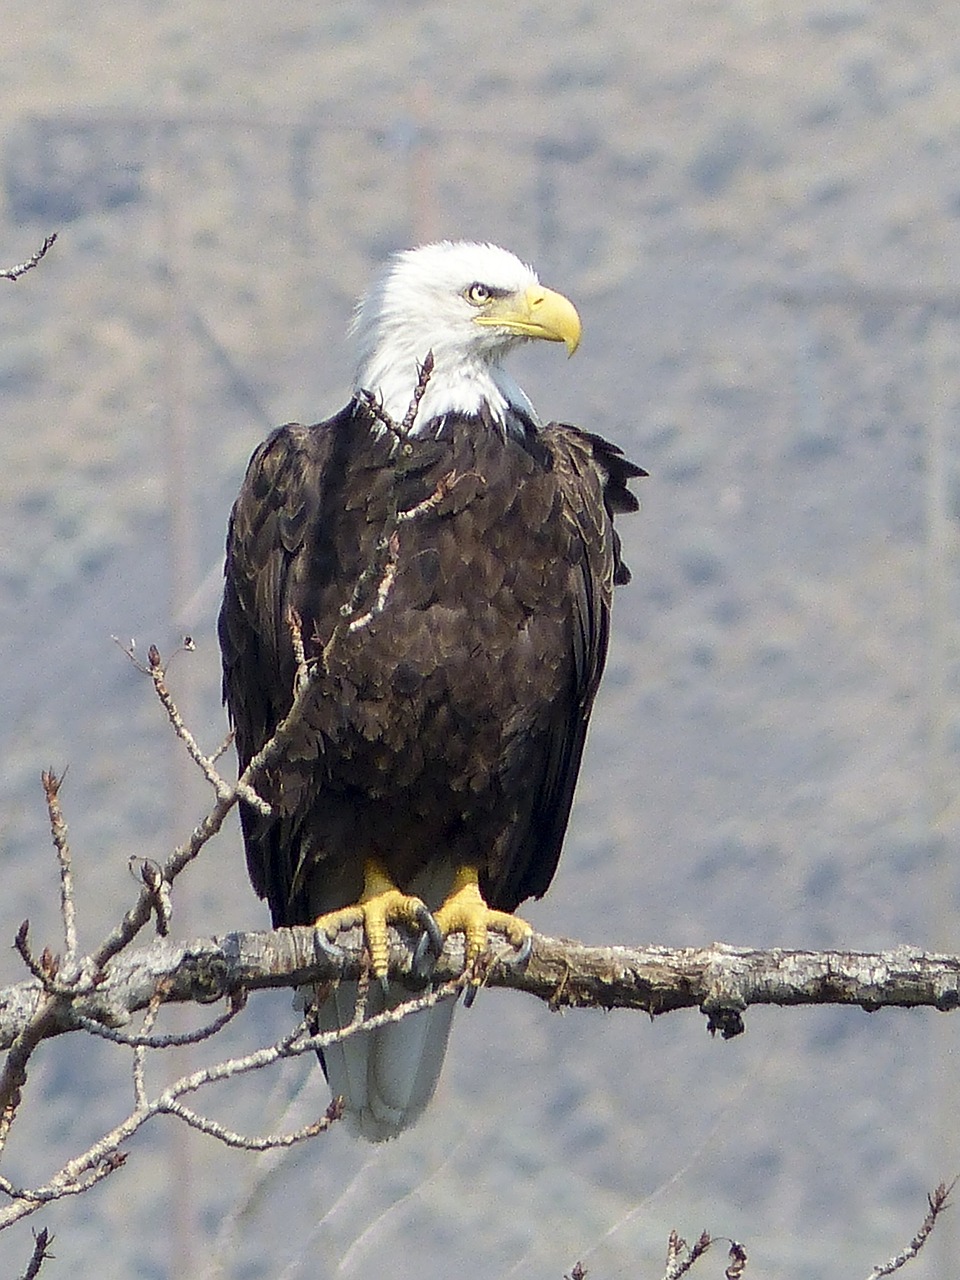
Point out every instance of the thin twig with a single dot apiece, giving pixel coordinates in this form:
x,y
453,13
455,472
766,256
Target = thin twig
x,y
384,586
138,915
424,373
152,876
444,485
384,563
269,1142
937,1202
222,788
58,829
14,273
173,1041
374,405
139,1052
681,1256
105,1155
207,764
295,624
45,969
40,1254
224,745
27,1201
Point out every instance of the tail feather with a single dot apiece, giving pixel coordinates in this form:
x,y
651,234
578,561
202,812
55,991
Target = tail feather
x,y
386,1076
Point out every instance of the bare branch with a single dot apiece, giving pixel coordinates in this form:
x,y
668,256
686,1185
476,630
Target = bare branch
x,y
295,623
424,374
157,672
145,1040
721,981
40,1244
204,831
373,403
105,1155
58,829
223,790
152,876
387,577
681,1256
379,575
444,485
139,1054
738,1261
937,1202
14,273
270,1142
223,747
375,406
45,969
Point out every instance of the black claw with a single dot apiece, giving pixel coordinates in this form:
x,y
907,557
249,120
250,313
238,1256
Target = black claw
x,y
431,930
429,944
470,994
426,952
522,953
323,947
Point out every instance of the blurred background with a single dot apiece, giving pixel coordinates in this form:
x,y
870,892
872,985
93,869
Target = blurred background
x,y
755,205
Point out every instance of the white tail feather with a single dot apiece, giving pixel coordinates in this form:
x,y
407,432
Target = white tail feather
x,y
386,1076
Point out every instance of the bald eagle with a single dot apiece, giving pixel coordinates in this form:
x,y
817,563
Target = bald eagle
x,y
451,562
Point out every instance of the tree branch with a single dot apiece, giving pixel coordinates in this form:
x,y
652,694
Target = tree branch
x,y
40,1254
14,273
937,1201
719,980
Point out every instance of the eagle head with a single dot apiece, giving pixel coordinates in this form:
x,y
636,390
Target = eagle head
x,y
468,304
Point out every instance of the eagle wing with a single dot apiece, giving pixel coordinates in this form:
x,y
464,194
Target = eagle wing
x,y
593,476
277,507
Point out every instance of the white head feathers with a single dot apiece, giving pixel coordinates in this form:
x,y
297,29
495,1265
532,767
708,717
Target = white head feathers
x,y
467,303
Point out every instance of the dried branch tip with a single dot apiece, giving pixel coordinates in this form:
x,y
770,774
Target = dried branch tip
x,y
681,1257
14,273
45,969
152,876
937,1201
41,1245
51,784
424,374
738,1261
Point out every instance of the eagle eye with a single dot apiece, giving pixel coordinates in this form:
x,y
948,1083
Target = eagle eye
x,y
478,294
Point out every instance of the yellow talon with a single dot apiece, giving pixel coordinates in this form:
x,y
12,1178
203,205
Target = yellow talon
x,y
464,911
380,905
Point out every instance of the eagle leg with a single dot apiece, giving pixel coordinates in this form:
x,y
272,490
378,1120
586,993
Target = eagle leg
x,y
464,911
381,904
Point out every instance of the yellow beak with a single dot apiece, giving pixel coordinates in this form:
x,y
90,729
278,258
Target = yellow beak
x,y
535,313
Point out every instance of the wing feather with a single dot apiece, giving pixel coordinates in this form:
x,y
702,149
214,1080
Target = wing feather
x,y
267,540
593,485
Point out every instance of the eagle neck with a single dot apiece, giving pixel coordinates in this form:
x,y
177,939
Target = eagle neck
x,y
464,387
516,425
